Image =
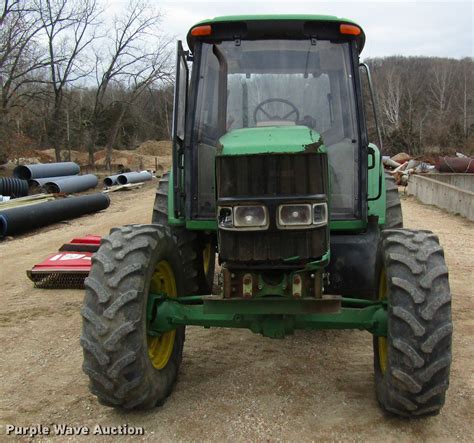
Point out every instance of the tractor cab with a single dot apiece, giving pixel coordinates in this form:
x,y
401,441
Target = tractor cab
x,y
267,85
270,144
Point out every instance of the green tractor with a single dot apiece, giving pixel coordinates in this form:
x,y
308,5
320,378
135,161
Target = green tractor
x,y
274,176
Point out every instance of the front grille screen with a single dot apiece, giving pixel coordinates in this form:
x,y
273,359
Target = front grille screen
x,y
272,175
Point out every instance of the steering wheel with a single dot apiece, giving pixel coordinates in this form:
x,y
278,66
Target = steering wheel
x,y
294,110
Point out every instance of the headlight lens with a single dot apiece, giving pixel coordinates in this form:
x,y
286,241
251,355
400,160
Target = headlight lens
x,y
251,217
294,215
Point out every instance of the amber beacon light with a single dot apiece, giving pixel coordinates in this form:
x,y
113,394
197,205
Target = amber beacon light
x,y
349,29
201,30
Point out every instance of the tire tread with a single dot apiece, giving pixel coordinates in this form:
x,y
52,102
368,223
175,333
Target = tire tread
x,y
115,353
419,325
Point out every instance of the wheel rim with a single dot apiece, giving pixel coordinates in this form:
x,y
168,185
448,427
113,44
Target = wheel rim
x,y
382,341
206,258
160,348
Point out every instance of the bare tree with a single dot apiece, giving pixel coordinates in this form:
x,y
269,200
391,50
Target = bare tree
x,y
466,89
12,7
441,86
391,97
156,69
70,28
21,57
138,59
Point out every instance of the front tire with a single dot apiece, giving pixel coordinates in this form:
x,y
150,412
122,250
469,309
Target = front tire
x,y
204,245
127,367
412,363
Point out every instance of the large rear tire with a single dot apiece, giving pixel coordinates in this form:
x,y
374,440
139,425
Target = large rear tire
x,y
204,245
393,207
127,367
412,363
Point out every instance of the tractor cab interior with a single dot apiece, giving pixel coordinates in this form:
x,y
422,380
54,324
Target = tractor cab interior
x,y
264,83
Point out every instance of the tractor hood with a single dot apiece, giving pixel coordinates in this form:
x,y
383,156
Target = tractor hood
x,y
270,139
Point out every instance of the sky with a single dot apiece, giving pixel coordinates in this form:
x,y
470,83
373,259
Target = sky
x,y
443,29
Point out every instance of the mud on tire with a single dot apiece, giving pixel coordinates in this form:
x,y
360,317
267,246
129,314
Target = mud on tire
x,y
418,345
114,337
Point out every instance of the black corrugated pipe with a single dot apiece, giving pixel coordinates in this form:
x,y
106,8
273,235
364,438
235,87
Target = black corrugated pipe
x,y
75,183
133,177
111,180
40,170
13,187
25,218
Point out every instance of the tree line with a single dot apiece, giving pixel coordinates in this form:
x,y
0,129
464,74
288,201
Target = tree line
x,y
424,103
72,77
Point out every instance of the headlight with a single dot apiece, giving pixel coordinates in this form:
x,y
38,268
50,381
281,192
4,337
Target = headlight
x,y
251,217
225,217
294,215
305,215
320,214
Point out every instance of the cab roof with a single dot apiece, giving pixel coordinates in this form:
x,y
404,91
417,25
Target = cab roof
x,y
289,25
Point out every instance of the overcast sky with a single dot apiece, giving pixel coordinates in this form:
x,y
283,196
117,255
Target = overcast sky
x,y
428,28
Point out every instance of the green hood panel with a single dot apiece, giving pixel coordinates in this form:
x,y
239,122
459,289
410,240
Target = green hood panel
x,y
270,139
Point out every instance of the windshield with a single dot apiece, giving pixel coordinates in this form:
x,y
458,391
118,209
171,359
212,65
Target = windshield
x,y
245,84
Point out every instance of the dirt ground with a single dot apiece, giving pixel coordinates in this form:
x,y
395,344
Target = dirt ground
x,y
234,385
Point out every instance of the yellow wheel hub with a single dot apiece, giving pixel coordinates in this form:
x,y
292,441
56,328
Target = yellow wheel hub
x,y
160,348
206,257
382,341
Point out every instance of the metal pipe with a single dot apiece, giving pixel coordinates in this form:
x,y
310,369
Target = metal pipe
x,y
13,187
40,170
16,220
133,177
75,183
111,180
43,181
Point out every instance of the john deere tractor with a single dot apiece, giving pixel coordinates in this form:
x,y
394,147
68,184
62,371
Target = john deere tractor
x,y
275,178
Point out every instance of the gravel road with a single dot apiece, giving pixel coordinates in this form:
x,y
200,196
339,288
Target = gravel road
x,y
234,385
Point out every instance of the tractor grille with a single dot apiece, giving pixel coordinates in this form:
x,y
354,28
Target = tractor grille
x,y
267,176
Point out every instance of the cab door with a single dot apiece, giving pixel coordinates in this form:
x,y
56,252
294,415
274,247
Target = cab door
x,y
178,129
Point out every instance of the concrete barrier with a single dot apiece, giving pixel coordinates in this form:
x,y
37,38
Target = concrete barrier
x,y
463,181
434,192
